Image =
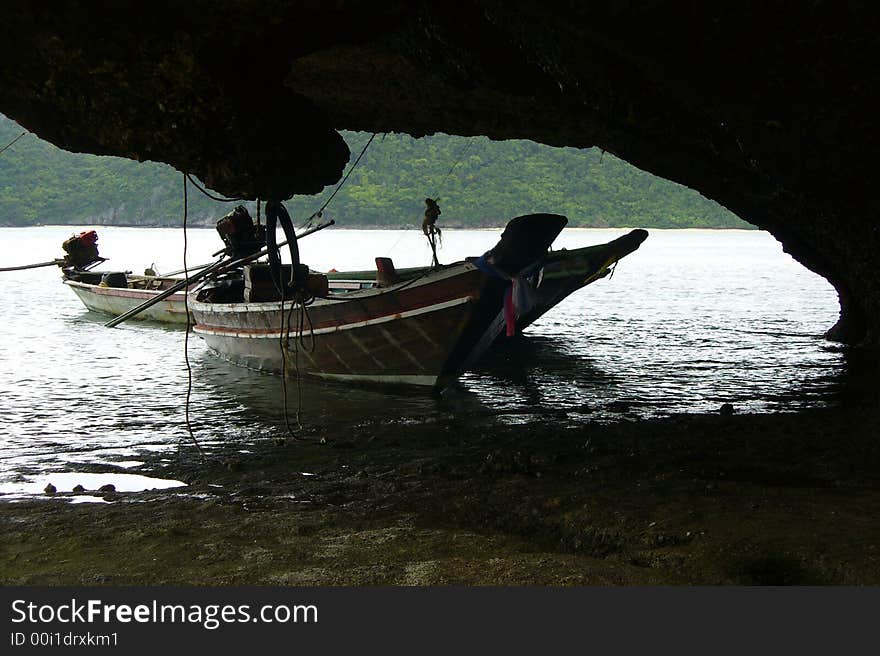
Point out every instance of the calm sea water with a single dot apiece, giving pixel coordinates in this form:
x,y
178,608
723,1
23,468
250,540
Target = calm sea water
x,y
692,320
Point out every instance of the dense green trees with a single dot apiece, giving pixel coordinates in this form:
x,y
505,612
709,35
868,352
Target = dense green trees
x,y
479,182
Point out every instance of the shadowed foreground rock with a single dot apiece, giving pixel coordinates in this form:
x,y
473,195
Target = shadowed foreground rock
x,y
768,109
775,499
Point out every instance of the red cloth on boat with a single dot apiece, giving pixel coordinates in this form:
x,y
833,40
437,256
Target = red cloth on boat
x,y
509,312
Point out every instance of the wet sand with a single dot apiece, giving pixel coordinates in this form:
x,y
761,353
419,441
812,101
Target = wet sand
x,y
691,499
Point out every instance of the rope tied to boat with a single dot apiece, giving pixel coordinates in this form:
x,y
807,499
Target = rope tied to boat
x,y
430,228
189,375
276,214
432,210
299,343
297,286
11,143
320,212
219,199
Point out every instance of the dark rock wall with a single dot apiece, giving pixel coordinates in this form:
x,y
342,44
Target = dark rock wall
x,y
768,108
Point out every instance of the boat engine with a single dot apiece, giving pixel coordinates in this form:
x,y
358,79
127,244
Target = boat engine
x,y
241,236
81,250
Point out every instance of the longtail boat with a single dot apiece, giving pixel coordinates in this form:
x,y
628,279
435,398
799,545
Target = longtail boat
x,y
562,273
115,293
422,329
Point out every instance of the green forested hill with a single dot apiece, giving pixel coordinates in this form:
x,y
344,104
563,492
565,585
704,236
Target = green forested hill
x,y
493,181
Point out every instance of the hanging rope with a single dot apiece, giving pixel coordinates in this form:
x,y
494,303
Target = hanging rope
x,y
297,283
9,145
284,345
301,300
299,342
432,209
323,207
219,199
431,229
350,170
463,152
189,376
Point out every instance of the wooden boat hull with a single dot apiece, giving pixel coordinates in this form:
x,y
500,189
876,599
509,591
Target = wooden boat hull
x,y
115,301
422,332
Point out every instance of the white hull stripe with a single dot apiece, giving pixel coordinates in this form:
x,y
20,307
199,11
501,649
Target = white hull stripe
x,y
116,305
232,332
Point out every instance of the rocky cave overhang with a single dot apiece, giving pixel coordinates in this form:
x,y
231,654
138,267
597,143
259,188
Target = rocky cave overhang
x,y
768,108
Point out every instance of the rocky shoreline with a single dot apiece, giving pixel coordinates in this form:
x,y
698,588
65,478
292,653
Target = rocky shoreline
x,y
689,499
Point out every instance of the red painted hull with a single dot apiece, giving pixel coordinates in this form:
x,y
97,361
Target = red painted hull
x,y
423,332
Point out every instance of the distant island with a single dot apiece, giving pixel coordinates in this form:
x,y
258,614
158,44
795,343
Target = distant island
x,y
480,183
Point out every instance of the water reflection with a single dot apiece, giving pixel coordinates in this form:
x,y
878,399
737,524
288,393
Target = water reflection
x,y
538,371
247,398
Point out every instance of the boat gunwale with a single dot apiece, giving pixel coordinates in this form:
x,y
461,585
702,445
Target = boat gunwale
x,y
430,276
123,292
